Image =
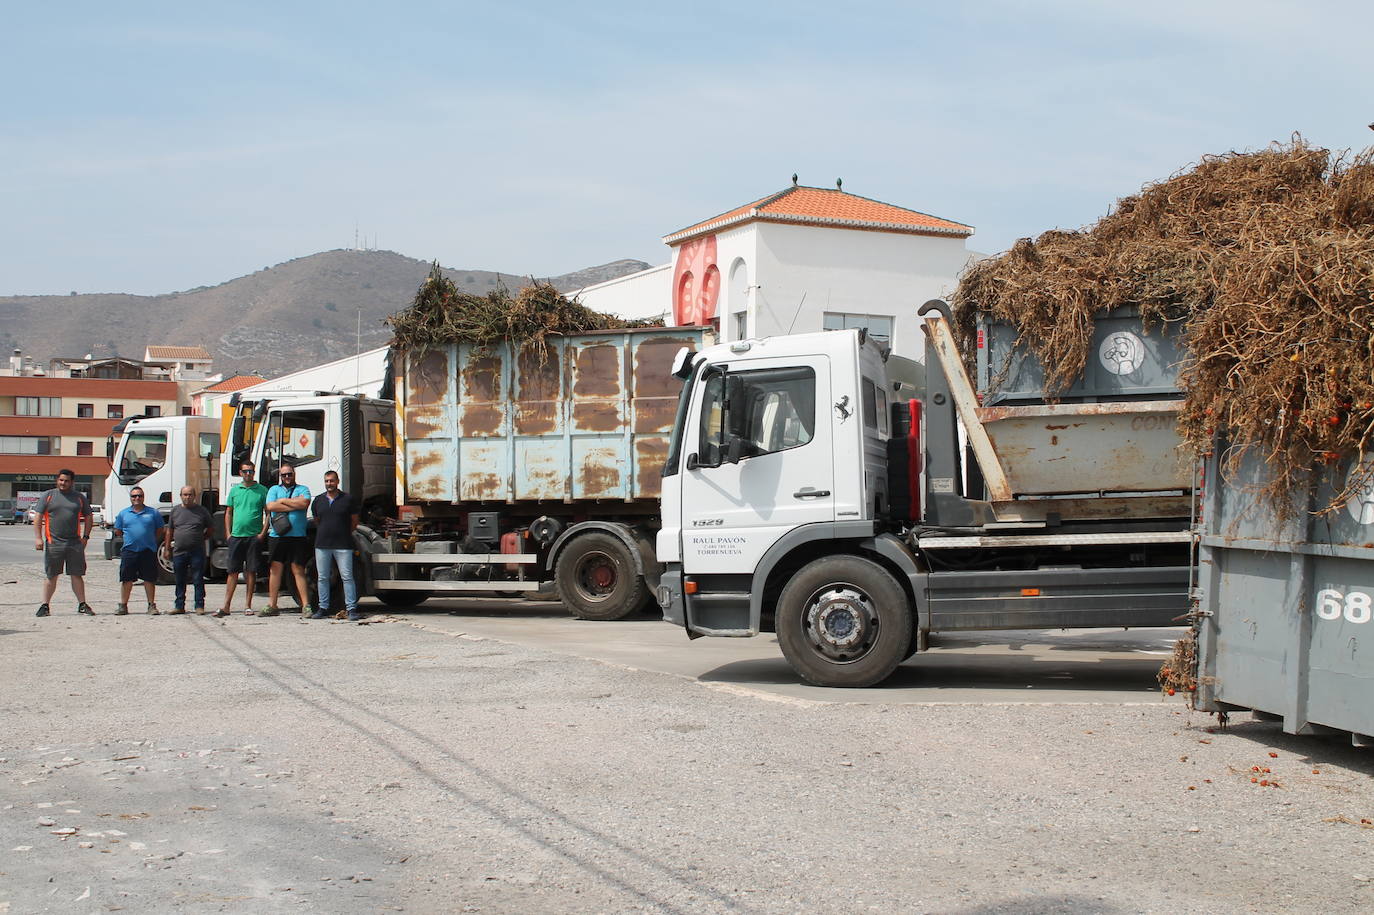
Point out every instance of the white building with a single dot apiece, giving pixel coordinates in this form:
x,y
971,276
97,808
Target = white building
x,y
360,374
803,259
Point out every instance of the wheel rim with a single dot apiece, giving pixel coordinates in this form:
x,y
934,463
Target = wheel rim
x,y
164,562
841,623
596,576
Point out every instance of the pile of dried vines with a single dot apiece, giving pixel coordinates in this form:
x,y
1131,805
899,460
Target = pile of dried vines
x,y
441,315
1267,259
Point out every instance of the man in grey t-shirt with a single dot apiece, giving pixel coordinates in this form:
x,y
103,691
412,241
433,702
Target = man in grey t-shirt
x,y
187,530
61,532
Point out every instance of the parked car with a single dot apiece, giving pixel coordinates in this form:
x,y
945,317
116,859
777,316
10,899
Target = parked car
x,y
31,516
97,515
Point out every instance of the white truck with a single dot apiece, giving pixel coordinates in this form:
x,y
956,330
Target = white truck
x,y
160,454
817,486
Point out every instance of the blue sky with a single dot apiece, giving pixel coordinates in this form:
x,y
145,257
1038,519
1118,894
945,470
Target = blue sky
x,y
153,147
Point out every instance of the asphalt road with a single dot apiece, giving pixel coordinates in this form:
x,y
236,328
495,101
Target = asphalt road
x,y
509,760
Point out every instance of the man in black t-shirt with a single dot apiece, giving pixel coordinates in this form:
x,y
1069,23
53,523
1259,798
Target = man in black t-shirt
x,y
335,516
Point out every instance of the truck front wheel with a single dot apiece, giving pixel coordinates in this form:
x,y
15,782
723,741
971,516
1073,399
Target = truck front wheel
x,y
843,621
596,578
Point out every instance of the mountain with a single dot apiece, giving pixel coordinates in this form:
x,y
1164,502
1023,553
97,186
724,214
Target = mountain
x,y
297,314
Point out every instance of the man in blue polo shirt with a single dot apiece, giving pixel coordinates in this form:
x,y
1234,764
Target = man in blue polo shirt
x,y
140,526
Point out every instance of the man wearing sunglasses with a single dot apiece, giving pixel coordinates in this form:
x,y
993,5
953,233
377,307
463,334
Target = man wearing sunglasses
x,y
140,528
286,505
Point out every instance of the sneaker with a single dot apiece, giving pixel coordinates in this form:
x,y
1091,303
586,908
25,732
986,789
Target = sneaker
x,y
269,611
85,608
354,615
43,610
308,612
153,610
121,609
221,612
320,615
176,611
200,611
249,611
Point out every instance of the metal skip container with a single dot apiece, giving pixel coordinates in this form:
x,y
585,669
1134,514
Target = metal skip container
x,y
1286,624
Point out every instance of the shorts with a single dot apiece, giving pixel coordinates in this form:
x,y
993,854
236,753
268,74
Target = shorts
x,y
138,565
294,550
64,555
244,556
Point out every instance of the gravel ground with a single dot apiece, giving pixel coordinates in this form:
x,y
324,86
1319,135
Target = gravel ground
x,y
155,764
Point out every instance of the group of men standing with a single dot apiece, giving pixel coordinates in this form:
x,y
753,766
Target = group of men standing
x,y
253,514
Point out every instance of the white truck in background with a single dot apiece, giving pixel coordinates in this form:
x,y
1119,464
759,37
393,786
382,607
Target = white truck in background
x,y
160,454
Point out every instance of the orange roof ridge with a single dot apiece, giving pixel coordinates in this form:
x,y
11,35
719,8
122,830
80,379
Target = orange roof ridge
x,y
825,207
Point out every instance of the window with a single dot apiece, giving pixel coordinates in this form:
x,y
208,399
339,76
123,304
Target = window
x,y
207,446
152,410
187,411
114,411
293,436
143,453
28,444
879,327
85,411
85,449
37,406
768,410
741,328
381,437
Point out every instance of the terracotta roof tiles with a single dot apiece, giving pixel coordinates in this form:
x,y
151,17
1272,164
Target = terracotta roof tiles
x,y
196,353
235,383
825,207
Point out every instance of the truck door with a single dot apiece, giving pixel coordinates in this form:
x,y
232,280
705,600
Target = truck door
x,y
296,436
759,462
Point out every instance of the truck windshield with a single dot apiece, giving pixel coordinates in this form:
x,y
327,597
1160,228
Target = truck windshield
x,y
684,399
144,453
292,436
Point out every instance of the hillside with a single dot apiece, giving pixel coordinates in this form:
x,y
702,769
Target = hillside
x,y
296,314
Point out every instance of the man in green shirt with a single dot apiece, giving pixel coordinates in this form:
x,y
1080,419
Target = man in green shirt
x,y
246,524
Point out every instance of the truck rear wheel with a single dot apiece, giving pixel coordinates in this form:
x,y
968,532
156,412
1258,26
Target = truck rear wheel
x,y
843,621
596,578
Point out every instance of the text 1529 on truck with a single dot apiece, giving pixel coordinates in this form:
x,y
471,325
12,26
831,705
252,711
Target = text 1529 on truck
x,y
820,486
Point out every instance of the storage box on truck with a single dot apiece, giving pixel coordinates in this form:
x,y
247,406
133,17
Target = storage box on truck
x,y
551,460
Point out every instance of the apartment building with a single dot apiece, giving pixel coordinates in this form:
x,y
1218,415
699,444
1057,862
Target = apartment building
x,y
63,418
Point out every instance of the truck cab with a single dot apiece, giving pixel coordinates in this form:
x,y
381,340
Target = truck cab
x,y
779,441
160,454
347,433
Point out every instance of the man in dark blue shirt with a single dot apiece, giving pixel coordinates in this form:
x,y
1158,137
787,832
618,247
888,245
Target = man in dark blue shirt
x,y
335,518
